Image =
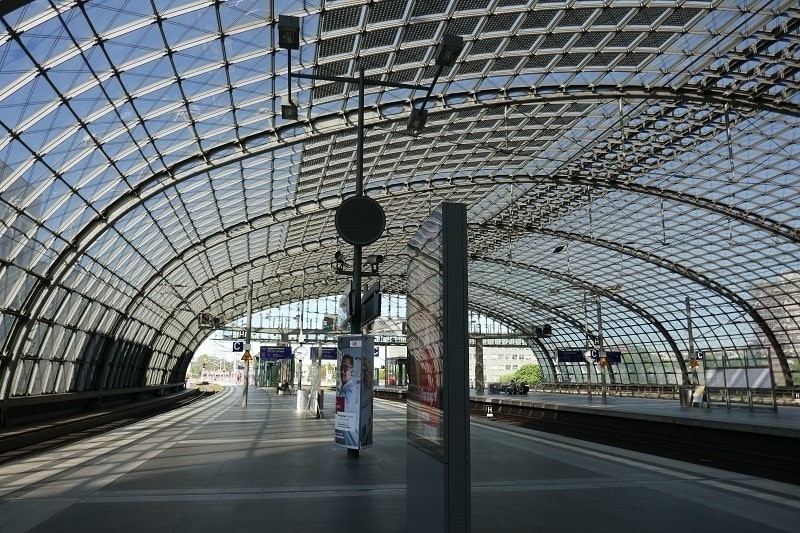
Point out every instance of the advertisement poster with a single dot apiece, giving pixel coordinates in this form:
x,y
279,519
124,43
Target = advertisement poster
x,y
425,341
353,411
438,495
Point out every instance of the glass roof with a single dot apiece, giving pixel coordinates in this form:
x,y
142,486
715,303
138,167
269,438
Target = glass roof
x,y
147,174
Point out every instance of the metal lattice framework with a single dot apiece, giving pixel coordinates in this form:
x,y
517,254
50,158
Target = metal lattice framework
x,y
146,174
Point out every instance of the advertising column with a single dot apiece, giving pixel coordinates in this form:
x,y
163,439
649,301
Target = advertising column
x,y
355,367
437,456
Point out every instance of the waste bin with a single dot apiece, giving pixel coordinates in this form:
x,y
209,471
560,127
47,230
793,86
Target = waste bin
x,y
319,399
302,399
685,395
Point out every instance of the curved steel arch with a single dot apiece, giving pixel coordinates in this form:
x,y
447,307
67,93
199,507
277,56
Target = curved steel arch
x,y
127,202
774,227
197,249
200,335
510,178
116,210
680,270
606,293
293,211
142,192
529,301
315,280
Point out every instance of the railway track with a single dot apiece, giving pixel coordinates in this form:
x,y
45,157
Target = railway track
x,y
24,441
768,456
763,455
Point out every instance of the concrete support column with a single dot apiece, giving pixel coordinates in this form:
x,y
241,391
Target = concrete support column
x,y
479,379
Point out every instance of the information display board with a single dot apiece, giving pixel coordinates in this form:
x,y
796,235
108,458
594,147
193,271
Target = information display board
x,y
574,355
571,356
328,353
275,353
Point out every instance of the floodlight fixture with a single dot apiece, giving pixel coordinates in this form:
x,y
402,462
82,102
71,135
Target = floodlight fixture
x,y
373,260
288,108
449,50
289,32
417,119
341,262
558,249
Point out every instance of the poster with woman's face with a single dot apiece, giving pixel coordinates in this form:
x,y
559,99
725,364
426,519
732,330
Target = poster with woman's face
x,y
348,394
353,412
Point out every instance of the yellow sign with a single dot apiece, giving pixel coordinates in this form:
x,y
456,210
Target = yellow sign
x,y
693,363
603,361
247,356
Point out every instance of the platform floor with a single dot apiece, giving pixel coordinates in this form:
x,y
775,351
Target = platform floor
x,y
219,466
761,419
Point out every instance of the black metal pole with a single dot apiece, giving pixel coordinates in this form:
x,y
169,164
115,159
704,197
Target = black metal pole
x,y
355,326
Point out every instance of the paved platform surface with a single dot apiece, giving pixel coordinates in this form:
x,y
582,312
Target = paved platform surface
x,y
219,466
762,419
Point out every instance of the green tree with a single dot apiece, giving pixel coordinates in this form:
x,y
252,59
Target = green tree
x,y
530,374
207,362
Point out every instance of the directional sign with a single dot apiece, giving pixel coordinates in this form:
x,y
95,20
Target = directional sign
x,y
238,346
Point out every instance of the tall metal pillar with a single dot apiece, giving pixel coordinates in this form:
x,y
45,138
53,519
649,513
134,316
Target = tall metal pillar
x,y
355,324
600,349
693,380
247,337
479,379
587,356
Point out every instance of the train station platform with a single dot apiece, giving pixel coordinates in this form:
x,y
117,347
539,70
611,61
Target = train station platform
x,y
219,466
759,420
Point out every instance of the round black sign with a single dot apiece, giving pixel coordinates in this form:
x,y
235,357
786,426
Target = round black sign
x,y
360,220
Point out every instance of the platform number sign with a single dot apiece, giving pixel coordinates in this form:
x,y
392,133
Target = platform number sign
x,y
698,354
238,346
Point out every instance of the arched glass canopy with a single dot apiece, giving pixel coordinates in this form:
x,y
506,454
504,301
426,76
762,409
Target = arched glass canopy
x,y
636,152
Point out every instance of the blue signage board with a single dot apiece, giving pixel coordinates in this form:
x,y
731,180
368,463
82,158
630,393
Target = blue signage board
x,y
570,356
328,353
238,346
275,353
577,356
